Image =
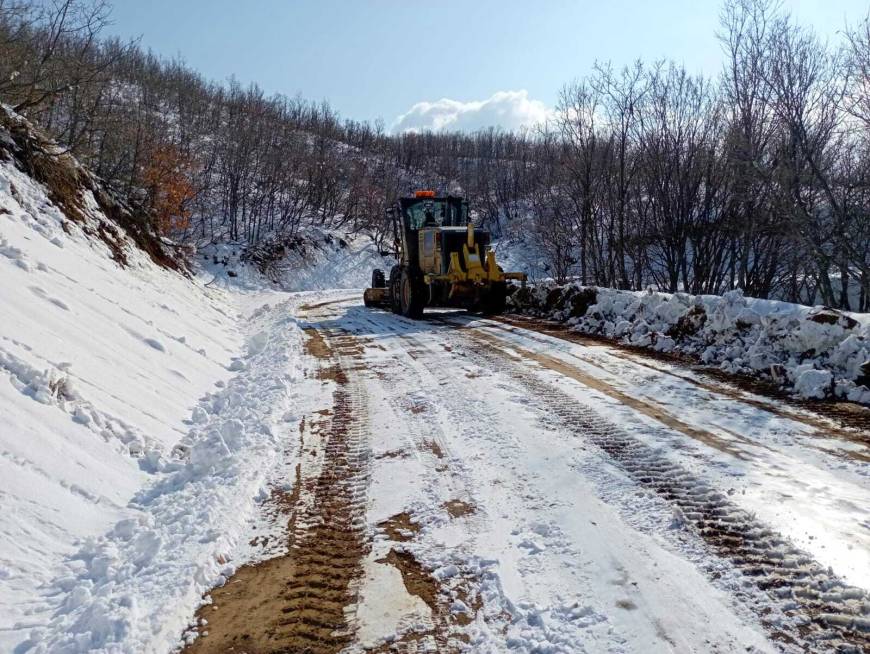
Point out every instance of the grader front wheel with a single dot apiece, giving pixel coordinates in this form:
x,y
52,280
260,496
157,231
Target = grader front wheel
x,y
495,301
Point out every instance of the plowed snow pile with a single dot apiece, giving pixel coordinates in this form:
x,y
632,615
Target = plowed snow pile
x,y
817,352
122,409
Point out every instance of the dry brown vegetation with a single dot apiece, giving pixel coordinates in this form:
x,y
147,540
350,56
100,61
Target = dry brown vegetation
x,y
67,183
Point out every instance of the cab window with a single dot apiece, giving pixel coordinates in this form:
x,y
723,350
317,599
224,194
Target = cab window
x,y
430,213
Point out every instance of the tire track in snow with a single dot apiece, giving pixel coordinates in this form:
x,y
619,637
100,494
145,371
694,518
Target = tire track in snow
x,y
823,613
842,419
304,600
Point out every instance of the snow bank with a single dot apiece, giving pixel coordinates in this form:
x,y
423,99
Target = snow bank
x,y
134,588
815,351
336,266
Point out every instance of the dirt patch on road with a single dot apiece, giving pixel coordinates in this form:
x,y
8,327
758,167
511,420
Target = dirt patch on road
x,y
434,447
287,604
458,508
299,602
400,528
446,633
417,581
315,345
333,373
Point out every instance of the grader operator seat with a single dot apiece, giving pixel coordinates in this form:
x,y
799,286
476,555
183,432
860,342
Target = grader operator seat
x,y
429,215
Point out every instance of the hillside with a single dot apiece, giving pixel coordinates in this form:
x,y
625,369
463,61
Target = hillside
x,y
103,353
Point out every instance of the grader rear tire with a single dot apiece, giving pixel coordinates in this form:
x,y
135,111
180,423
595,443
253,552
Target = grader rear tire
x,y
412,296
395,285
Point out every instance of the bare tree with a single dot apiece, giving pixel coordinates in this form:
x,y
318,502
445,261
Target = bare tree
x,y
858,63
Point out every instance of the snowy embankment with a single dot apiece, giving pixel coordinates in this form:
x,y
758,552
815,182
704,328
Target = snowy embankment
x,y
321,260
138,413
816,352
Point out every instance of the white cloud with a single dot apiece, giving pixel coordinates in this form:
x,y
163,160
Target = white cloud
x,y
509,110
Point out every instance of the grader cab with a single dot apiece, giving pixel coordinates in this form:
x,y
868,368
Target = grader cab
x,y
444,261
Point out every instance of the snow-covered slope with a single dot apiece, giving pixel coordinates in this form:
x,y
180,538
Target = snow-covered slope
x,y
100,365
340,264
322,260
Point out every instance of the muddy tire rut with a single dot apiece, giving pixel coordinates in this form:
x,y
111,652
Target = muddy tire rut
x,y
304,600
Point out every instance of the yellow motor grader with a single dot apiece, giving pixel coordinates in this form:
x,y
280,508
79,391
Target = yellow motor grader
x,y
444,261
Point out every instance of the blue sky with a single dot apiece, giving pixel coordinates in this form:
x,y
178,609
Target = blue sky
x,y
379,58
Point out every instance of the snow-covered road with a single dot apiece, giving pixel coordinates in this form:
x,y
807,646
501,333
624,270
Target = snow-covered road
x,y
466,484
